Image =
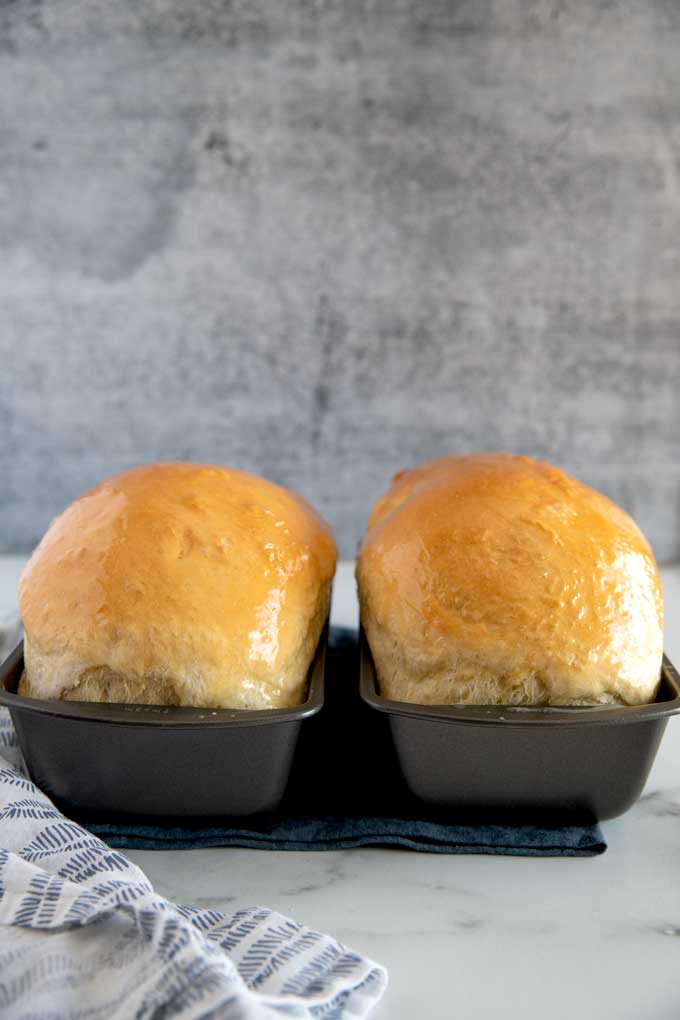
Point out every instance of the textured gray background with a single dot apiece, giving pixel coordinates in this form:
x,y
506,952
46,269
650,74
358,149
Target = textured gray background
x,y
324,241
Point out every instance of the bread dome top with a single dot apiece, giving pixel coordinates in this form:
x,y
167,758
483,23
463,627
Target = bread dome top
x,y
496,579
206,578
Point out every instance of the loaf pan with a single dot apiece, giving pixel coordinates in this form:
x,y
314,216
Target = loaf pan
x,y
158,760
548,763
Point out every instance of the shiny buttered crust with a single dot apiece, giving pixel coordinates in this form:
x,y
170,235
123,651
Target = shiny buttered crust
x,y
178,584
494,579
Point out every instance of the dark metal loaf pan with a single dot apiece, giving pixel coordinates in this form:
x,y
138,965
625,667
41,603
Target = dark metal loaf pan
x,y
587,763
158,760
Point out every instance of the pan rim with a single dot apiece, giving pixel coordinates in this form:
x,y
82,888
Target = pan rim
x,y
169,717
515,715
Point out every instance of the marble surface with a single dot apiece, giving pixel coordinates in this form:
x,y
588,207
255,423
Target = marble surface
x,y
479,937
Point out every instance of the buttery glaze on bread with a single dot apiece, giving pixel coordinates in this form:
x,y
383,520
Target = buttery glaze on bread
x,y
495,579
178,584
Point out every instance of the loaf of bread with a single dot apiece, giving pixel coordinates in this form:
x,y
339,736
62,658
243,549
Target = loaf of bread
x,y
178,584
495,579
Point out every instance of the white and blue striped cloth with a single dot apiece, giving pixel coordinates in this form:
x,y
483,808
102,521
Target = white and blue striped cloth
x,y
83,935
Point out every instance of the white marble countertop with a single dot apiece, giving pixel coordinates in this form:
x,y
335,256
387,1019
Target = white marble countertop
x,y
474,936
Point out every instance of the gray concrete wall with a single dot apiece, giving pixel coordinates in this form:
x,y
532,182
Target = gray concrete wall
x,y
324,241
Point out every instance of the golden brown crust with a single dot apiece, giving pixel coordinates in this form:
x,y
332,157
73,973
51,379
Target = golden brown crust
x,y
178,583
494,579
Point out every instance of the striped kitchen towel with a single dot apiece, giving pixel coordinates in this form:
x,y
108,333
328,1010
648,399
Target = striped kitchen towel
x,y
83,935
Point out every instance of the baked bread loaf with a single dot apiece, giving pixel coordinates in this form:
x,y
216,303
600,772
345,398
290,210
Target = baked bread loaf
x,y
178,584
495,579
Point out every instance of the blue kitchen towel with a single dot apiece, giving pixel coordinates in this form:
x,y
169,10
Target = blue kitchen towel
x,y
346,790
337,833
84,936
